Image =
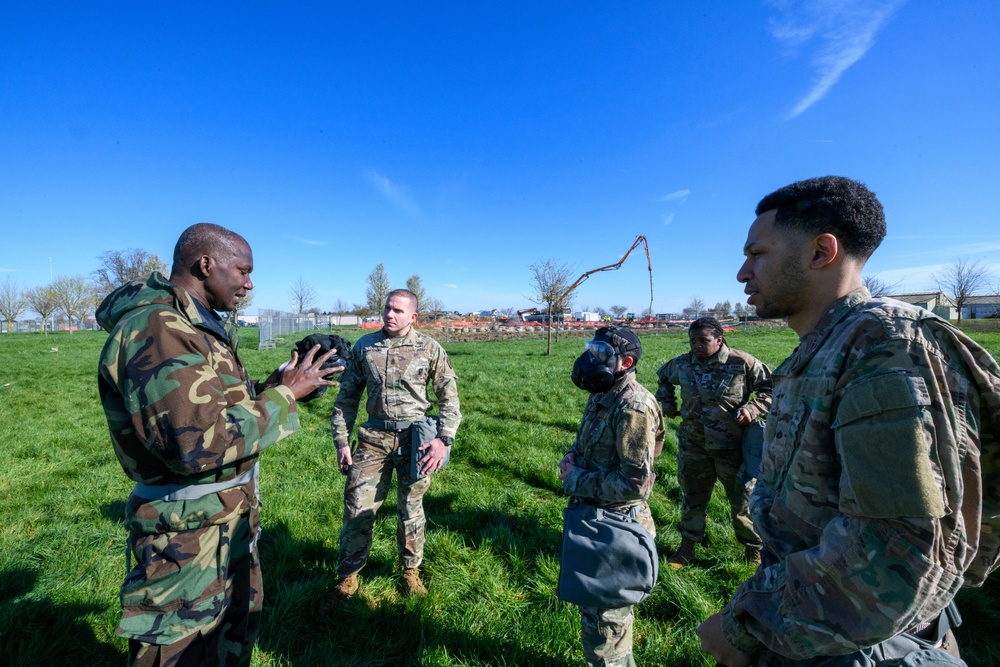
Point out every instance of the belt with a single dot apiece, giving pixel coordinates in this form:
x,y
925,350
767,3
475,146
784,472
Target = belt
x,y
172,492
387,425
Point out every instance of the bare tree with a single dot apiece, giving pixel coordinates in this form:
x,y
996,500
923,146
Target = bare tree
x,y
339,308
695,308
42,300
619,311
878,287
508,312
433,305
74,296
303,296
244,302
118,267
12,301
549,281
414,285
723,308
378,288
962,279
359,310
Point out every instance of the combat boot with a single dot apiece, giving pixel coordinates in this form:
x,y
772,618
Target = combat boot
x,y
342,592
751,555
684,555
412,584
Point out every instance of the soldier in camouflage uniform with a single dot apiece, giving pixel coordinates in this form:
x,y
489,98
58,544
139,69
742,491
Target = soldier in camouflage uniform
x,y
722,391
188,426
611,465
877,497
394,365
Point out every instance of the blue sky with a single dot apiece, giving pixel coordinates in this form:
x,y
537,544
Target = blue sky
x,y
466,141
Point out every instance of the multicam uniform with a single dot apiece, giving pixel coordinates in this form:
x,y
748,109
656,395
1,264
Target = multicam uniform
x,y
182,415
870,497
614,448
395,372
709,438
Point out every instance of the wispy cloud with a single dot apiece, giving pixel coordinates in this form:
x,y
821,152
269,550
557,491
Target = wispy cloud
x,y
393,193
451,285
299,239
680,195
838,32
668,218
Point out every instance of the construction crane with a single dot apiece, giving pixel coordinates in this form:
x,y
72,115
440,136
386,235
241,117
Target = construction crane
x,y
610,267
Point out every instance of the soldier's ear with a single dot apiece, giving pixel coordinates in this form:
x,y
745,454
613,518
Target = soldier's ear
x,y
205,265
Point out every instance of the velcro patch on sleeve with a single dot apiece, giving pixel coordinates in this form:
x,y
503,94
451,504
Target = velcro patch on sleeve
x,y
884,432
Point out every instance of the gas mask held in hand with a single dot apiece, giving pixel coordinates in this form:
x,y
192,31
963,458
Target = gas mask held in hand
x,y
594,370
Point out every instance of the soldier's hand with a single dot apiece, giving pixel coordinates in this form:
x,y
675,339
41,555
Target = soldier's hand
x,y
743,416
568,461
433,455
714,643
304,375
344,458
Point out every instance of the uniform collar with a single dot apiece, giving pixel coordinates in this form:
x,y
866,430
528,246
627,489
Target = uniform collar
x,y
810,344
611,395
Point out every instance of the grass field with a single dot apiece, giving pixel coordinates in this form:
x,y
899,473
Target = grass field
x,y
494,523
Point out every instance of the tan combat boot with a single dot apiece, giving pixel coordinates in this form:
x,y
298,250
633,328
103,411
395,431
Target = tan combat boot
x,y
751,555
412,584
684,555
343,591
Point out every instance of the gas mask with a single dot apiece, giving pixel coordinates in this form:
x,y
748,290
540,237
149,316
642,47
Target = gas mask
x,y
594,370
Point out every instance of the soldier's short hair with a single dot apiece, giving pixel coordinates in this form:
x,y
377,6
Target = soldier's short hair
x,y
707,324
830,205
204,238
406,294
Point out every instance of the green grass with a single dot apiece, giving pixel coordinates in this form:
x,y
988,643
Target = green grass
x,y
494,523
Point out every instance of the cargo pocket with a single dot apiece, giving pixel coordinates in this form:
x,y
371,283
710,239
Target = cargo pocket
x,y
177,587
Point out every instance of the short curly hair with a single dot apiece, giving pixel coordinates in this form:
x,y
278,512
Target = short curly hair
x,y
830,205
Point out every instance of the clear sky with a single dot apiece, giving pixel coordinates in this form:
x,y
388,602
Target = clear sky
x,y
464,141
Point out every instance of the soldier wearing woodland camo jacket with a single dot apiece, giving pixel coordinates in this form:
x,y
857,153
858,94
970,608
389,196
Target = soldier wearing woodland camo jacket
x,y
188,425
878,496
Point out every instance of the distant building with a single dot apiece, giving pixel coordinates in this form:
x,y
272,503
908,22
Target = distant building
x,y
938,303
979,307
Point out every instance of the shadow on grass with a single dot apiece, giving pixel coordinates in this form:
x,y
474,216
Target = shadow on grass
x,y
44,632
114,511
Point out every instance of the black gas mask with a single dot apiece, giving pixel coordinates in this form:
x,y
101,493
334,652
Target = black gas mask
x,y
594,370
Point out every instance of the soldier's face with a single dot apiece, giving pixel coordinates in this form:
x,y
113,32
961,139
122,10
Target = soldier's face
x,y
774,270
399,314
228,277
704,343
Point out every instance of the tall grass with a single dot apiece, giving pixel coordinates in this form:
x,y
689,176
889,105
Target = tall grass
x,y
494,523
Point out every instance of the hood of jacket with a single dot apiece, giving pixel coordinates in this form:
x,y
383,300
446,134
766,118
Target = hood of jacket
x,y
152,290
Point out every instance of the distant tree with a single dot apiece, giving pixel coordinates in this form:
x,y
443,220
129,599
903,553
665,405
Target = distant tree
x,y
878,287
359,310
12,301
75,297
602,311
723,308
647,312
42,300
245,302
432,305
739,310
962,279
509,312
619,311
413,284
117,267
340,309
695,308
378,288
549,282
303,296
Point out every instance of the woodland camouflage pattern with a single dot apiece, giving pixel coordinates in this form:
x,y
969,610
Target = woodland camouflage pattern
x,y
879,490
614,451
709,439
181,410
395,372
